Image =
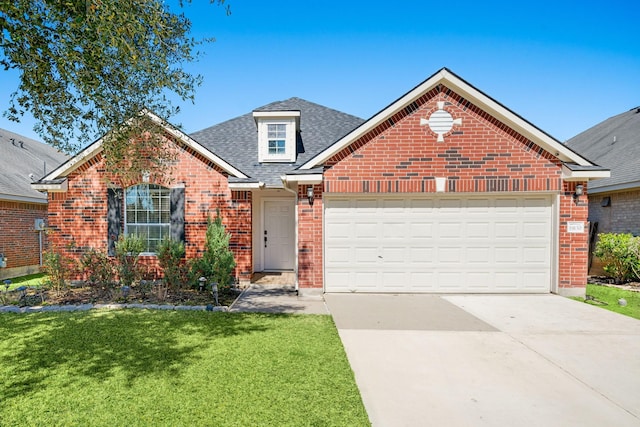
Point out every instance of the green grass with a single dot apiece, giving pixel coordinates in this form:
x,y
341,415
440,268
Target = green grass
x,y
607,297
30,280
174,368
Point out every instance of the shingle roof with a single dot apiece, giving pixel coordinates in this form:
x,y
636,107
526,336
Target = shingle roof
x,y
614,144
236,140
21,156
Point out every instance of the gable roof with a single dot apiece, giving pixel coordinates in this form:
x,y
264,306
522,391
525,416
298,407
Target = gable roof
x,y
447,78
21,157
52,180
615,144
237,139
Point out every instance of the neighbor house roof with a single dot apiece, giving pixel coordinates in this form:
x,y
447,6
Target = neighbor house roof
x,y
22,161
615,144
447,78
237,139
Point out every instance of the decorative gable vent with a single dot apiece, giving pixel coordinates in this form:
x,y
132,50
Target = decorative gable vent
x,y
277,132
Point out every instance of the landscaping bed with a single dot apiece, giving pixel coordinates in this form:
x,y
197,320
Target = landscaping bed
x,y
32,291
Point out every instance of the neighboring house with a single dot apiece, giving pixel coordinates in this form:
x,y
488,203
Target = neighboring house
x,y
23,160
444,190
614,202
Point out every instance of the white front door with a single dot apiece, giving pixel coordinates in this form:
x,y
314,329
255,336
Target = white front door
x,y
278,235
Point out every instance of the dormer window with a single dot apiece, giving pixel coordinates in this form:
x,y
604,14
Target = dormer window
x,y
277,138
277,135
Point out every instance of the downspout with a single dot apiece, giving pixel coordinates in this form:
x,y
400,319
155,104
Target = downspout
x,y
295,194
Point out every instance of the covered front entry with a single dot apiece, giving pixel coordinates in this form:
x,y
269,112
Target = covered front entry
x,y
278,236
439,243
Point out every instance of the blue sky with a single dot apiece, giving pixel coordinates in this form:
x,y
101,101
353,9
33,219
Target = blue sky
x,y
563,65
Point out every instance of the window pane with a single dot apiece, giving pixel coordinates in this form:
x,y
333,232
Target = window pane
x,y
148,214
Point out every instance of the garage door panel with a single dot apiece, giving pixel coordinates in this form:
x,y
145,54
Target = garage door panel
x,y
450,230
366,255
421,230
506,229
421,255
393,255
479,255
394,230
438,244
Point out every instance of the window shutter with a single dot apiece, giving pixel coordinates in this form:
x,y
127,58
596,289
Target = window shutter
x,y
114,223
177,214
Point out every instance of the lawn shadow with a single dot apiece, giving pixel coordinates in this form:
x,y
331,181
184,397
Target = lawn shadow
x,y
97,345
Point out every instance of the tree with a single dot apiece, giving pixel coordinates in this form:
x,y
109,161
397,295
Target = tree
x,y
87,67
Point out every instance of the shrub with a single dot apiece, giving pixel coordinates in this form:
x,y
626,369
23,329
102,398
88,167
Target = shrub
x,y
620,254
98,270
217,261
170,259
59,269
128,248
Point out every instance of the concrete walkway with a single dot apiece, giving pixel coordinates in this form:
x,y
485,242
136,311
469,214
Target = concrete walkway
x,y
497,360
277,299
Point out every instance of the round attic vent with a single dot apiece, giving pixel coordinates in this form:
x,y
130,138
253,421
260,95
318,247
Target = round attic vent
x,y
440,122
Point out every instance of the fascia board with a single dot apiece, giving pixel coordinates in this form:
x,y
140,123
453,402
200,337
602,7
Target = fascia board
x,y
190,142
468,92
569,175
616,187
310,179
288,113
61,187
373,121
245,185
24,199
514,121
95,148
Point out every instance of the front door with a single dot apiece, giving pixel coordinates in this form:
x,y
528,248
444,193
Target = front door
x,y
278,235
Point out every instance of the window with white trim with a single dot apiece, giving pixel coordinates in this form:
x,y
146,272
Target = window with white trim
x,y
277,139
148,214
277,133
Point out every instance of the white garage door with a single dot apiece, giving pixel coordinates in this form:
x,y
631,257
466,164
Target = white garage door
x,y
443,244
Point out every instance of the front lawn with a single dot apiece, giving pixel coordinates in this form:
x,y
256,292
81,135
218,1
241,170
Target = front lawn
x,y
33,280
607,297
175,368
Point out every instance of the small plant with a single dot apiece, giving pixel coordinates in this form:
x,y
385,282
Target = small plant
x,y
59,270
171,260
99,271
620,254
128,248
217,261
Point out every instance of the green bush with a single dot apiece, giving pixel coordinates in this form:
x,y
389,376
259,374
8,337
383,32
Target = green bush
x,y
217,261
620,254
171,261
98,270
128,248
59,270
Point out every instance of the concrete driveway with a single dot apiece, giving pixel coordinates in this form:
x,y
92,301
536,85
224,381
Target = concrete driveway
x,y
470,360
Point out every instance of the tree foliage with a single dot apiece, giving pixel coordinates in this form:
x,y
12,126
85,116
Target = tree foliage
x,y
88,66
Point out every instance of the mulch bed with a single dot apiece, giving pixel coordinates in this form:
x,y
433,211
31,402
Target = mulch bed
x,y
82,294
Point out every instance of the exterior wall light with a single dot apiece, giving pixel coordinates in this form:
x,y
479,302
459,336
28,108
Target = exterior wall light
x,y
310,194
579,191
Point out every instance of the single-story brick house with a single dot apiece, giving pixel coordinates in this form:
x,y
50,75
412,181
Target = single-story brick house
x,y
444,190
23,210
614,202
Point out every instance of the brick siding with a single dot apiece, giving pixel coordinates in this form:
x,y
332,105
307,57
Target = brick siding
x,y
482,155
621,216
18,238
78,217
